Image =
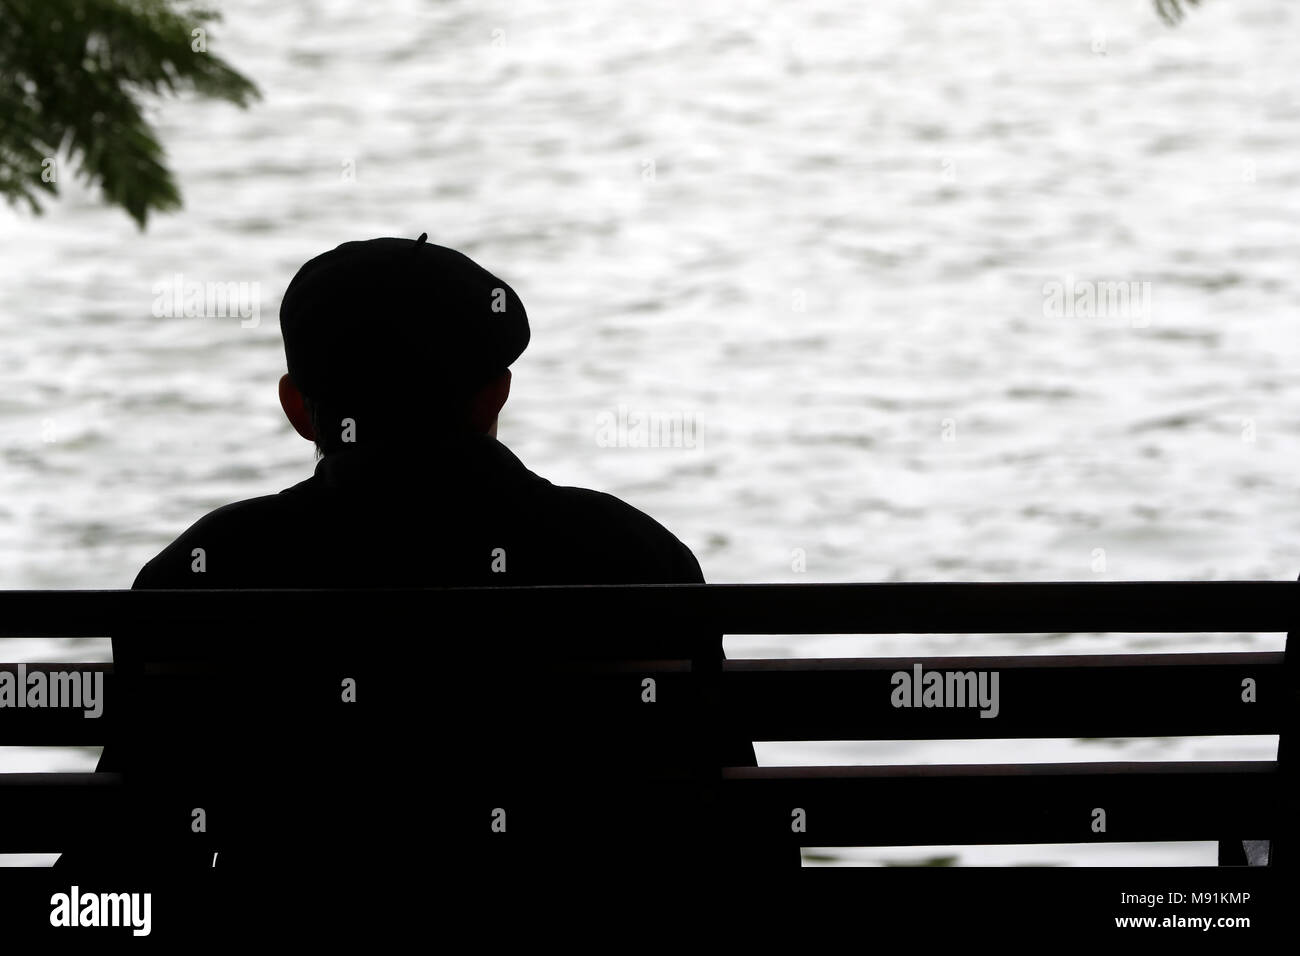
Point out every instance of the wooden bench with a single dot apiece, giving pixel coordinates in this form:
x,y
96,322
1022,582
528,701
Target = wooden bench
x,y
1125,695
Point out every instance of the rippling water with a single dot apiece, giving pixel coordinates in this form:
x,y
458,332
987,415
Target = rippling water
x,y
824,234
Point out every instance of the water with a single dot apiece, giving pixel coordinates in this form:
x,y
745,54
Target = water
x,y
825,236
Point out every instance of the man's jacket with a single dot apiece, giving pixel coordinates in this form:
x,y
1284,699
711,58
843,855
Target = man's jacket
x,y
445,726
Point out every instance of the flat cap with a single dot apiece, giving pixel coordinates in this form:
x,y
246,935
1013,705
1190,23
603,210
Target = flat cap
x,y
385,318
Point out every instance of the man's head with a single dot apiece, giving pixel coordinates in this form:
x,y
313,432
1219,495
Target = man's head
x,y
397,339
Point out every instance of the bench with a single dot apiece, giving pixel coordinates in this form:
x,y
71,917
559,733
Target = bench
x,y
913,698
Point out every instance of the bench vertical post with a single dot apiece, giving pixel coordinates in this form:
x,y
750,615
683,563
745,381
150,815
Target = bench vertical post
x,y
1281,847
1233,852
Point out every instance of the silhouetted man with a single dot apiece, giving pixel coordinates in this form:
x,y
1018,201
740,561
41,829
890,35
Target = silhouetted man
x,y
398,364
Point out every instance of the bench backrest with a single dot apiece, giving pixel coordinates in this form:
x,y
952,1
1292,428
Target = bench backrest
x,y
912,698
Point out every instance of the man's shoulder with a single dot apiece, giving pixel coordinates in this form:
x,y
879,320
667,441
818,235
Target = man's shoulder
x,y
605,504
242,527
603,519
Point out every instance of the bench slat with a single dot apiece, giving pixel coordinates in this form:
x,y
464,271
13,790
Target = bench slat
x,y
1125,695
906,608
1149,695
1019,803
843,806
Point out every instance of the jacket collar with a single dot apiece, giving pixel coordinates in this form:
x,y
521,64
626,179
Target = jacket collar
x,y
461,459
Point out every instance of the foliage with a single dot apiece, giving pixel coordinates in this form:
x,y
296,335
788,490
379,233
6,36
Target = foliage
x,y
73,74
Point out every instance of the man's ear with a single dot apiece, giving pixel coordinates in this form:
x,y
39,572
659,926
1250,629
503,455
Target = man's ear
x,y
486,404
294,409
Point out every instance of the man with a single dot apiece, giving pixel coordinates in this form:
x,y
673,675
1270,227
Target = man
x,y
398,357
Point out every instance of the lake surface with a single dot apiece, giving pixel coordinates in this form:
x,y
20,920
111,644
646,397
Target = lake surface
x,y
985,291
